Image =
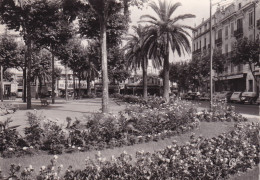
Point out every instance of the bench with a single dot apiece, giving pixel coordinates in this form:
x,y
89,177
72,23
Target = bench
x,y
44,102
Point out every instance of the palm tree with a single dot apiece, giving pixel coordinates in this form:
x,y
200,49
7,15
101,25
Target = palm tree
x,y
165,32
136,54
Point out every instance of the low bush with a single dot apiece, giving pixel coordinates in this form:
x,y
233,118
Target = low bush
x,y
200,158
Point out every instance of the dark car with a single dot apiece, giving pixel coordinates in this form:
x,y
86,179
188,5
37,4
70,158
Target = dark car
x,y
224,96
248,97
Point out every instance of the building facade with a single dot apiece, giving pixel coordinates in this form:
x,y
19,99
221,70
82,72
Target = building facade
x,y
239,19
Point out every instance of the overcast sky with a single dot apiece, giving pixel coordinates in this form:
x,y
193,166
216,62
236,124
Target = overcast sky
x,y
200,8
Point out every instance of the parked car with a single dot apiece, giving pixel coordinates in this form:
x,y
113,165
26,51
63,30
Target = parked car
x,y
205,97
236,97
224,96
258,100
248,97
191,96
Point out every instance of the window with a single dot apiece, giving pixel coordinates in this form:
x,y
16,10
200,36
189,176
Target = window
x,y
197,45
232,67
239,6
194,47
205,42
220,34
240,67
200,44
232,29
251,20
250,84
240,23
226,48
205,27
226,32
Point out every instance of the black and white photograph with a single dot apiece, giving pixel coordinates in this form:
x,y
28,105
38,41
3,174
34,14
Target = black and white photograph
x,y
129,89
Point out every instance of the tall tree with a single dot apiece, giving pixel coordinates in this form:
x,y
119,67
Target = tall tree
x,y
247,52
52,30
8,55
23,16
137,53
165,32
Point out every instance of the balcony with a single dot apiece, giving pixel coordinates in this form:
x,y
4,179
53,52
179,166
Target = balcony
x,y
218,41
258,24
238,33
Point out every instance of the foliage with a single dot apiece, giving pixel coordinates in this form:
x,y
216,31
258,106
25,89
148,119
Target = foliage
x,y
8,52
165,32
201,158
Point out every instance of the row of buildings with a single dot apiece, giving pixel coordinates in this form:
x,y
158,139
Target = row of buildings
x,y
240,18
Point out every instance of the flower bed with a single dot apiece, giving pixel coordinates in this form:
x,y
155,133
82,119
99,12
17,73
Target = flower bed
x,y
138,124
228,154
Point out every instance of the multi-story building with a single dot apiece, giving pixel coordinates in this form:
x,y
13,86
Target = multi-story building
x,y
239,19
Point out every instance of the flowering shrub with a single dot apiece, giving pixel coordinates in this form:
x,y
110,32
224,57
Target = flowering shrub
x,y
221,112
217,158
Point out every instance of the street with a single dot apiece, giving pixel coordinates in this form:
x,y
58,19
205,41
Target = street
x,y
239,108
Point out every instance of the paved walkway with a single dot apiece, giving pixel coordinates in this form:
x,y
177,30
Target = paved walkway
x,y
58,111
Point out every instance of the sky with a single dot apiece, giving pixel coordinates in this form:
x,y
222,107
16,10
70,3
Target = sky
x,y
199,8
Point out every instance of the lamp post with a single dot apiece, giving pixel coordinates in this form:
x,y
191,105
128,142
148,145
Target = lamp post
x,y
211,57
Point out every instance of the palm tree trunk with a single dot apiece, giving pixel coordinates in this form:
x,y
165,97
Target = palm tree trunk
x,y
103,40
29,63
166,69
52,76
145,78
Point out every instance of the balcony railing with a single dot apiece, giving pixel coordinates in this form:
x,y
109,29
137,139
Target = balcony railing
x,y
218,41
238,33
258,24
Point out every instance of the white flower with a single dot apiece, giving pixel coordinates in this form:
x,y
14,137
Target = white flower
x,y
10,149
31,147
79,148
61,166
25,148
73,146
52,168
30,166
55,157
43,167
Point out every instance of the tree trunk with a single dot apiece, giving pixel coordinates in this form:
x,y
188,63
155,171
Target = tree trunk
x,y
103,40
66,82
24,83
74,85
29,64
52,76
36,88
79,88
166,69
40,87
88,85
145,78
1,85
